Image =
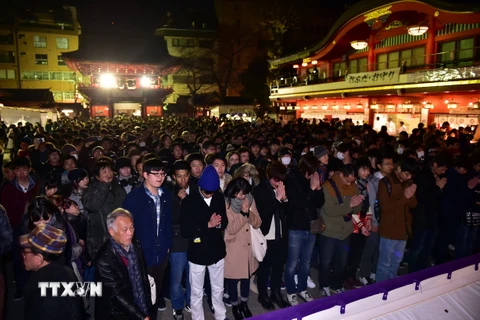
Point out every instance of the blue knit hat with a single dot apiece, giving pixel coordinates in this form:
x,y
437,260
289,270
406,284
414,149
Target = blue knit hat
x,y
209,180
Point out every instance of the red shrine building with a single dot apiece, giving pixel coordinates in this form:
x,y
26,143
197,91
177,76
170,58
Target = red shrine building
x,y
411,61
115,88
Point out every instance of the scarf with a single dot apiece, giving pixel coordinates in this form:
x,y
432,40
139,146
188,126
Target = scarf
x,y
236,204
134,274
363,187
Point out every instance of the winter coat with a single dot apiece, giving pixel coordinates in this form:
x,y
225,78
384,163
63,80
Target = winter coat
x,y
333,213
240,262
428,194
303,201
206,245
117,301
142,207
99,199
395,217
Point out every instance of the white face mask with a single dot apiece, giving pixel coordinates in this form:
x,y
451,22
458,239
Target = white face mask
x,y
340,155
358,142
399,150
303,153
142,144
286,160
250,180
420,154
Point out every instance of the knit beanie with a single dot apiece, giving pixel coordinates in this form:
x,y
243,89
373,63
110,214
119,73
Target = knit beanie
x,y
209,180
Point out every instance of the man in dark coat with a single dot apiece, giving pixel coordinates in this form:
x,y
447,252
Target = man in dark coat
x,y
103,195
43,248
122,270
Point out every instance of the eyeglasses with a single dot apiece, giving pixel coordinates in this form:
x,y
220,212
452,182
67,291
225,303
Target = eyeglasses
x,y
158,174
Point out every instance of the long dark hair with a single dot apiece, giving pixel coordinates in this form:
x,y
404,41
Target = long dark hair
x,y
41,208
235,186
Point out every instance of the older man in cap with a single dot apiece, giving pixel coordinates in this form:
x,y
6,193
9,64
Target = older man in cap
x,y
42,249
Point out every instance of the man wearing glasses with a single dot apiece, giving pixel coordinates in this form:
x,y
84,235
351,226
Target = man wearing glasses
x,y
151,207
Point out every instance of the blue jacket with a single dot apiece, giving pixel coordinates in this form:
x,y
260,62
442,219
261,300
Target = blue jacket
x,y
144,214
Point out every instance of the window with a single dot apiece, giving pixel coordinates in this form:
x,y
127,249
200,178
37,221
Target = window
x,y
60,61
358,65
7,74
60,96
394,60
39,42
207,44
183,42
465,49
6,38
41,75
7,56
413,57
62,43
338,69
382,61
457,50
41,59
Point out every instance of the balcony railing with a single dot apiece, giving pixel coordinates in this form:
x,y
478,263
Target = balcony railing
x,y
450,65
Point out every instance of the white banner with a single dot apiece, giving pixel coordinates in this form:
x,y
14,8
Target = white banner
x,y
373,78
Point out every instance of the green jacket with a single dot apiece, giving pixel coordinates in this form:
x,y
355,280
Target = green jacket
x,y
332,213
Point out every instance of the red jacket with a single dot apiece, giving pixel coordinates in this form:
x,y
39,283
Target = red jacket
x,y
15,201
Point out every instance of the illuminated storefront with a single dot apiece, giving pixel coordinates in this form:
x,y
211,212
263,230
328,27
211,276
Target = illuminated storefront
x,y
411,61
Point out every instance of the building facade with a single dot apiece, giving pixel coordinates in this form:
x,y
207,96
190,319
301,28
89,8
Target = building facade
x,y
191,39
32,44
412,61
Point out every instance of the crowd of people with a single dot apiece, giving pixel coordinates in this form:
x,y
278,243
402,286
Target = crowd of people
x,y
181,208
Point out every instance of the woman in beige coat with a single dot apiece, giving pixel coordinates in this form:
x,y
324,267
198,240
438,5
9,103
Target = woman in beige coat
x,y
240,263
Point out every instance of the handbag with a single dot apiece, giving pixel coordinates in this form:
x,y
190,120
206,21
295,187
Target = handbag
x,y
259,243
317,226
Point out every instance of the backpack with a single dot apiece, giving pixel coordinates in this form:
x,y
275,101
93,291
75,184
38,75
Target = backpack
x,y
376,207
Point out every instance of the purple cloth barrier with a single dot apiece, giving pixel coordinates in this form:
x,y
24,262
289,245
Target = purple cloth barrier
x,y
384,287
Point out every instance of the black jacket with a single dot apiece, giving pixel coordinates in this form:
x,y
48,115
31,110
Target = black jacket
x,y
179,242
117,300
51,308
99,199
206,245
303,201
429,196
268,205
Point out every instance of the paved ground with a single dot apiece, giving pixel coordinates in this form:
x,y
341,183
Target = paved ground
x,y
14,310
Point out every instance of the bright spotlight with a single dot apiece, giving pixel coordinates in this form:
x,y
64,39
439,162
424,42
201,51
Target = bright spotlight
x,y
145,81
108,80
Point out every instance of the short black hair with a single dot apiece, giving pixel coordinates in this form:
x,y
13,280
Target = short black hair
x,y
154,165
100,164
21,163
180,165
276,171
409,165
210,158
195,156
235,186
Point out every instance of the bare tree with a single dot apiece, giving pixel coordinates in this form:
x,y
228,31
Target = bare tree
x,y
279,17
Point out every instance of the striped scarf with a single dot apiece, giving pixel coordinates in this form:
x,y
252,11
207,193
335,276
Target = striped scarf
x,y
134,274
